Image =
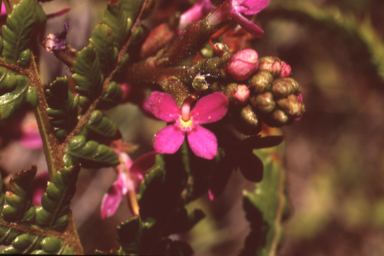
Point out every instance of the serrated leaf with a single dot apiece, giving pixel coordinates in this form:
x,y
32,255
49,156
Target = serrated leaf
x,y
19,197
62,107
116,18
55,201
264,210
111,97
11,101
7,235
23,244
91,154
102,41
53,246
103,126
16,32
129,235
88,77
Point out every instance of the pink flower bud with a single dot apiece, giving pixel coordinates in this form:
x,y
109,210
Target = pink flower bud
x,y
242,93
285,70
243,64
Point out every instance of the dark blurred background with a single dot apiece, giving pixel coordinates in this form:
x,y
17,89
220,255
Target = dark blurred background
x,y
334,154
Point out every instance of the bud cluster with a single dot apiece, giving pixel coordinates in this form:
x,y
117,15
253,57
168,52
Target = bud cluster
x,y
262,93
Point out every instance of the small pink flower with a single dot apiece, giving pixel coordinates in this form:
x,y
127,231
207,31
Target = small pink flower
x,y
234,9
129,176
198,11
242,94
56,42
243,64
208,109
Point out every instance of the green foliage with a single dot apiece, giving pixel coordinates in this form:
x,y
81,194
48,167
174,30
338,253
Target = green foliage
x,y
7,235
183,221
19,197
23,244
53,245
111,96
102,41
102,126
62,107
131,7
116,18
15,91
91,154
55,201
16,32
88,77
265,208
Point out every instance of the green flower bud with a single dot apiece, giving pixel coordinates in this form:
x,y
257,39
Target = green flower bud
x,y
247,121
270,64
281,88
295,85
291,105
261,82
279,116
264,102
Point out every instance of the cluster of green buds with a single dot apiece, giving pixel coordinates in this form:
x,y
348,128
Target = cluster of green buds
x,y
262,92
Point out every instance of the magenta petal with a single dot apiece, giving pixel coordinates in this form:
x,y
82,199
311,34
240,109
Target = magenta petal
x,y
142,164
168,140
163,106
203,142
247,25
250,7
210,108
31,139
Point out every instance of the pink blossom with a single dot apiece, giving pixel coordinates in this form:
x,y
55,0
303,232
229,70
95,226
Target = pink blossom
x,y
129,176
243,64
234,9
285,70
208,109
198,11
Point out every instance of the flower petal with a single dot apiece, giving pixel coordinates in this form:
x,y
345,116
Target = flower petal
x,y
202,142
210,108
142,164
250,7
163,106
247,25
168,140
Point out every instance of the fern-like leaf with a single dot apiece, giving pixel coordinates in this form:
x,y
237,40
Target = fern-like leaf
x,y
88,77
111,97
116,18
55,202
91,154
102,127
19,197
62,107
53,246
23,244
20,92
102,41
16,32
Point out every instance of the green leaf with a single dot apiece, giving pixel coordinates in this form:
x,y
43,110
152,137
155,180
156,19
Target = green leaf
x,y
7,235
19,197
111,97
265,210
103,126
90,154
16,32
183,221
55,201
102,41
131,7
23,244
116,18
62,107
21,92
129,235
88,77
55,246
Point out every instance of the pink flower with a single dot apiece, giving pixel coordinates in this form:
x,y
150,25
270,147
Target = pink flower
x,y
208,109
234,9
30,137
129,176
198,11
285,70
243,64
